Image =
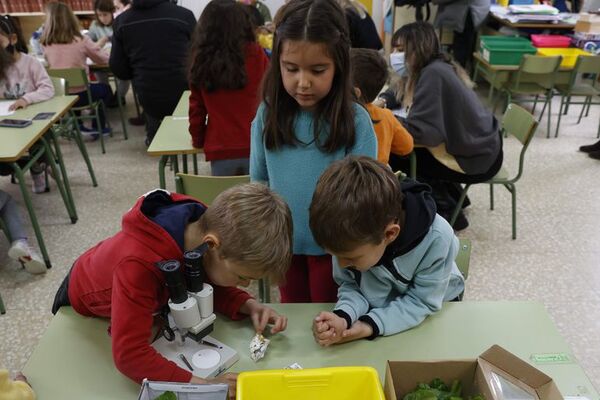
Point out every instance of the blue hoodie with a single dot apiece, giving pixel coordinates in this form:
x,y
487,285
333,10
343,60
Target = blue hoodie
x,y
414,276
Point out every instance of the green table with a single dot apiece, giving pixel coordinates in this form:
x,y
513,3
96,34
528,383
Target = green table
x,y
184,105
73,358
16,142
171,140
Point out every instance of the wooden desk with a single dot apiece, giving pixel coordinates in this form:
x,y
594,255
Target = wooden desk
x,y
184,104
171,140
532,25
73,358
18,141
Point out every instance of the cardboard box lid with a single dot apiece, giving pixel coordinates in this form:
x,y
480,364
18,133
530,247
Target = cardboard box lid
x,y
509,365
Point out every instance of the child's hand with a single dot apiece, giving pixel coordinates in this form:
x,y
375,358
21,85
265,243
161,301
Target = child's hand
x,y
20,103
328,328
229,379
262,315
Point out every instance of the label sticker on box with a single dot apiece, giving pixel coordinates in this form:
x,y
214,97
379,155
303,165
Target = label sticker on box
x,y
551,358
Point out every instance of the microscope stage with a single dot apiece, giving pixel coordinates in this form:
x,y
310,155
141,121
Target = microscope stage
x,y
205,360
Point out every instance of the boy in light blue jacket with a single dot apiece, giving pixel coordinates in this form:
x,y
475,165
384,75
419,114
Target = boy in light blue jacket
x,y
393,255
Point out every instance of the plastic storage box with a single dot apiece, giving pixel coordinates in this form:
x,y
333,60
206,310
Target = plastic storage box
x,y
338,383
505,50
550,40
569,56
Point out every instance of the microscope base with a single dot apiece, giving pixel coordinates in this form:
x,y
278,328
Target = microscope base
x,y
210,359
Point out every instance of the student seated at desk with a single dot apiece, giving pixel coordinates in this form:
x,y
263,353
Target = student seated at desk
x,y
369,74
460,138
249,231
393,255
23,79
65,47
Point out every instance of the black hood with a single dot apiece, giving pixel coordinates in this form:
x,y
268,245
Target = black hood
x,y
419,213
147,3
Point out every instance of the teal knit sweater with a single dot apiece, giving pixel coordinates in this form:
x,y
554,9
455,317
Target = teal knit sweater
x,y
293,171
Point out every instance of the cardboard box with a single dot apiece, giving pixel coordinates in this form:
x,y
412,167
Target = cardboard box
x,y
587,23
496,374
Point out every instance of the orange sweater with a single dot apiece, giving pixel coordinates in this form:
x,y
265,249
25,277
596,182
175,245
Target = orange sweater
x,y
392,137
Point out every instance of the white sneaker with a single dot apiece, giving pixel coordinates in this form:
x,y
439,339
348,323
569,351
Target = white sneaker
x,y
39,183
21,251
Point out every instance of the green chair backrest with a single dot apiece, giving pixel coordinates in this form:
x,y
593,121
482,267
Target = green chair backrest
x,y
539,64
585,65
75,77
60,86
544,67
207,188
520,123
463,258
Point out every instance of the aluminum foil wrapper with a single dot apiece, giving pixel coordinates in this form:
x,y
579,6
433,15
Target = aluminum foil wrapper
x,y
258,347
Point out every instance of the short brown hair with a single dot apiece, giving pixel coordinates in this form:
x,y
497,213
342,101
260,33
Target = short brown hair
x,y
355,199
104,6
254,225
369,72
61,25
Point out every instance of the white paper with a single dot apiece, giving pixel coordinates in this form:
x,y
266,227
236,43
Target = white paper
x,y
4,111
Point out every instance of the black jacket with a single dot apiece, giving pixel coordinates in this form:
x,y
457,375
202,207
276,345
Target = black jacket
x,y
150,46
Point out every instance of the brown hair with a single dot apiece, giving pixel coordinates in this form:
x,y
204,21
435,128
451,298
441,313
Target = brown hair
x,y
104,6
355,199
219,46
320,22
369,72
422,47
254,225
61,25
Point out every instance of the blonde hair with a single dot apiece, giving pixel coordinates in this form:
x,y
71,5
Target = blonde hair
x,y
354,5
61,25
254,225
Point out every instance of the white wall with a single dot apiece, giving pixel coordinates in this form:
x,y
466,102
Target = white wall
x,y
198,5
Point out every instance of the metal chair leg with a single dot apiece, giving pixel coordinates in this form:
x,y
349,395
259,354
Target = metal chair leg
x,y
83,149
2,308
562,99
61,178
583,108
491,196
459,204
122,115
535,104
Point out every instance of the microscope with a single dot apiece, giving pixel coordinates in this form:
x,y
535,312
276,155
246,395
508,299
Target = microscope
x,y
190,316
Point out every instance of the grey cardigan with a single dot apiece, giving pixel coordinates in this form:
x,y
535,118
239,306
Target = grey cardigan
x,y
452,14
445,110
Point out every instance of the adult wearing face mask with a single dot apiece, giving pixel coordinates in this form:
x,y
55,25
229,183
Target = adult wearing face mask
x,y
459,138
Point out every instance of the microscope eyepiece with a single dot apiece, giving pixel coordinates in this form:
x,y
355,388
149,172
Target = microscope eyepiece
x,y
194,268
175,280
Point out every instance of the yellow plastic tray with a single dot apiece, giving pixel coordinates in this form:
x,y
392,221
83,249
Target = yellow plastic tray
x,y
569,55
338,383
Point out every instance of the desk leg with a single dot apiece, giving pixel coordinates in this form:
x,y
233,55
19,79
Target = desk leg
x,y
63,186
161,171
195,160
32,216
185,163
175,164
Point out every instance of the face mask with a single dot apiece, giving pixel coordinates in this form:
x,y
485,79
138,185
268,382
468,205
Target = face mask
x,y
398,63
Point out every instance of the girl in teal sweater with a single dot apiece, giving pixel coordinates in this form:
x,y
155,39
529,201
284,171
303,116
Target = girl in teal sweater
x,y
307,121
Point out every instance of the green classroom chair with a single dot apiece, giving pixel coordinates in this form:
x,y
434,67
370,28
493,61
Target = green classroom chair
x,y
68,127
522,125
577,88
534,78
78,77
206,189
463,259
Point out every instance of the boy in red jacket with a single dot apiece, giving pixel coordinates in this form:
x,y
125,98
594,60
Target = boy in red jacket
x,y
249,232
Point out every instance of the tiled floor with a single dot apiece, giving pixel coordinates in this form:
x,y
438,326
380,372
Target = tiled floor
x,y
555,260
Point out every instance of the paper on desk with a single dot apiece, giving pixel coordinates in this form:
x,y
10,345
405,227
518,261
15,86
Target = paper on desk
x,y
4,111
